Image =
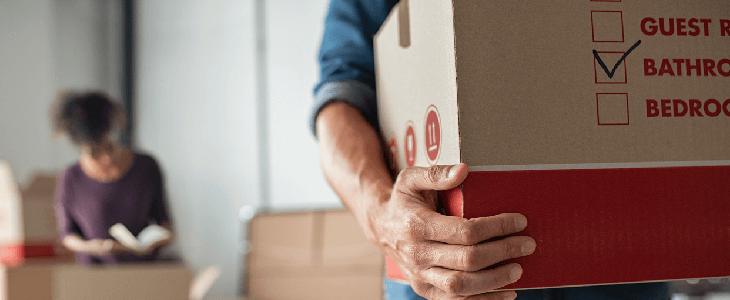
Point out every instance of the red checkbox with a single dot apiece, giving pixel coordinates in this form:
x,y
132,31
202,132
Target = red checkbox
x,y
607,26
610,58
612,108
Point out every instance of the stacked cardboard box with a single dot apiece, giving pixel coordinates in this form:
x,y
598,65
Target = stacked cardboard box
x,y
27,218
50,280
312,255
605,122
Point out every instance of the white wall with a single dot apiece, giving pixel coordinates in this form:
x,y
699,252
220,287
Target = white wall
x,y
87,54
26,84
195,111
48,45
294,31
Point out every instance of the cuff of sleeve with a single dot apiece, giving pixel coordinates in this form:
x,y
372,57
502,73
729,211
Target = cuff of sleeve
x,y
355,93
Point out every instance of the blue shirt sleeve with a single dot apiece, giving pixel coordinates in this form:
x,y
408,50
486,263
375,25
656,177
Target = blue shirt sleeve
x,y
346,59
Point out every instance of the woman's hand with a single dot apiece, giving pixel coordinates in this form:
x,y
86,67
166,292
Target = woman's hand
x,y
99,247
104,247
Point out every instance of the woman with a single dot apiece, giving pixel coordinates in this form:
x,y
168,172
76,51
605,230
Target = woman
x,y
108,184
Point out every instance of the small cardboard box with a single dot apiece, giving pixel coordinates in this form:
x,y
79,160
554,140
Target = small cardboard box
x,y
49,279
32,281
158,281
312,255
604,122
27,218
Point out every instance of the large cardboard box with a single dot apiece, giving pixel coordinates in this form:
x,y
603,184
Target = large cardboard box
x,y
605,122
312,255
27,218
48,279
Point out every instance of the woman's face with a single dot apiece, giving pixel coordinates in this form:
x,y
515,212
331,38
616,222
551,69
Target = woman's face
x,y
104,157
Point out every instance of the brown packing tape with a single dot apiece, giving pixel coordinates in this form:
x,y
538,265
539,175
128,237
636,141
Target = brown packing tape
x,y
404,24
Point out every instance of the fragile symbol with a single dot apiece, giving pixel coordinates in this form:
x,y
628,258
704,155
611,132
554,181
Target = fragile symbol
x,y
433,135
603,65
410,145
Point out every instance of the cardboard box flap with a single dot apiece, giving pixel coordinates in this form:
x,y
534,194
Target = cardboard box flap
x,y
415,63
41,187
282,239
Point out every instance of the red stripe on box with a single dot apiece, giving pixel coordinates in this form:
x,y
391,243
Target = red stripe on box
x,y
599,226
15,254
613,225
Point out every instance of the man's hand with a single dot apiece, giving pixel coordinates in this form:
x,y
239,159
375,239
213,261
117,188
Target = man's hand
x,y
446,257
443,257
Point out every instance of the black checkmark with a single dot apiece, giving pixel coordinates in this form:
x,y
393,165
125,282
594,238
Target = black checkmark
x,y
603,65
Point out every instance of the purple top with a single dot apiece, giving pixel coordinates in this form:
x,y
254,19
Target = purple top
x,y
88,207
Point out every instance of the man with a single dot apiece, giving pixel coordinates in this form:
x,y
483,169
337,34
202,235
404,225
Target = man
x,y
443,257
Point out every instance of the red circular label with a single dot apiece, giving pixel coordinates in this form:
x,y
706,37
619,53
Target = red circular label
x,y
393,150
432,133
410,145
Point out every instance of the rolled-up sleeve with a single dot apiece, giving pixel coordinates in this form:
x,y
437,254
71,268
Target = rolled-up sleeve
x,y
346,62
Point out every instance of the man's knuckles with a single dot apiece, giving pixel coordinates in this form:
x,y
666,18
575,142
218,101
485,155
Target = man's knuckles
x,y
454,283
470,259
416,256
502,224
434,174
414,227
469,232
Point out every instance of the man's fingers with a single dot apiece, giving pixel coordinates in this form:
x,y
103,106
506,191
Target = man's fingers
x,y
472,283
460,231
436,178
477,257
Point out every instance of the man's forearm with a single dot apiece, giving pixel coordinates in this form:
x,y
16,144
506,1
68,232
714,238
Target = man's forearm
x,y
351,156
442,257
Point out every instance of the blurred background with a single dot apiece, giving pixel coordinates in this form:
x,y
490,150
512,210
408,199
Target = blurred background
x,y
214,89
218,91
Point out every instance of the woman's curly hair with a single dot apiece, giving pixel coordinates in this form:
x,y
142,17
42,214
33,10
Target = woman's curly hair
x,y
86,117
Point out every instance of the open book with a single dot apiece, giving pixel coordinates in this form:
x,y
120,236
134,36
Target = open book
x,y
148,236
